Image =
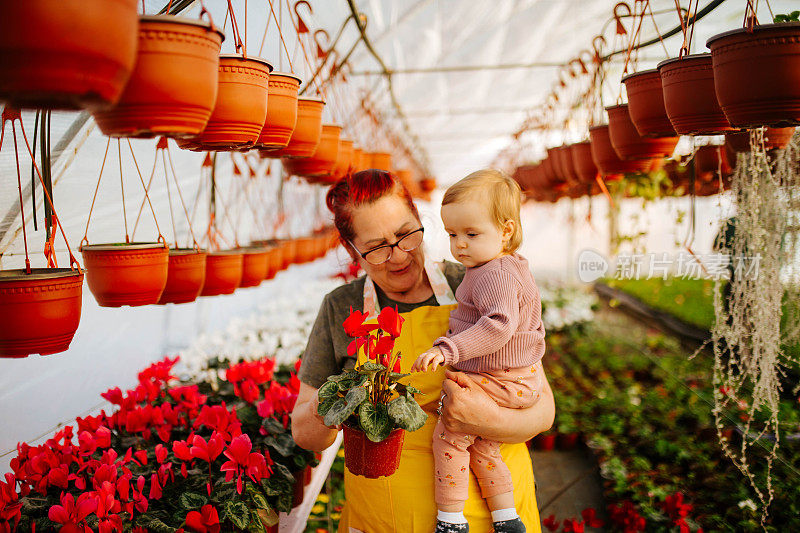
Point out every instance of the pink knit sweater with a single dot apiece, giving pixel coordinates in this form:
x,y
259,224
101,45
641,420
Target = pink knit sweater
x,y
498,321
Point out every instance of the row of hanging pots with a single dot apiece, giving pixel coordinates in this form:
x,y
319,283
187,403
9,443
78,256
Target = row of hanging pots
x,y
138,274
751,78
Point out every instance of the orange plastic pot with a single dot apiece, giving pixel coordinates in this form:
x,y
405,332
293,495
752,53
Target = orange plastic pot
x,y
223,272
289,249
126,274
605,158
41,310
555,171
307,131
241,107
185,277
281,111
646,104
306,249
358,155
275,261
689,96
427,184
711,159
757,74
564,156
774,138
372,459
585,167
66,54
629,144
324,158
255,266
173,86
380,160
344,160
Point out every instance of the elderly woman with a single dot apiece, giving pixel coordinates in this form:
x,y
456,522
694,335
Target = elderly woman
x,y
380,227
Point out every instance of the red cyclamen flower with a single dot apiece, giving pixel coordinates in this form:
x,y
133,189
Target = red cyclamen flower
x,y
390,322
205,521
551,523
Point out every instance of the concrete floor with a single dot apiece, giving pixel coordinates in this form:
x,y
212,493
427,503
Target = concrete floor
x,y
567,482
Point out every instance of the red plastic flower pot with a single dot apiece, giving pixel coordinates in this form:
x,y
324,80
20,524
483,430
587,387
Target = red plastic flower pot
x,y
298,488
255,264
241,107
372,459
544,441
173,86
66,54
307,475
584,165
306,133
567,441
40,310
556,173
689,95
629,144
564,155
126,274
774,138
757,74
281,111
646,104
380,160
223,272
606,159
324,158
185,277
710,159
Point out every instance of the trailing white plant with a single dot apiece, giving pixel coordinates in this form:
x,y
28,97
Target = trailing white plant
x,y
749,359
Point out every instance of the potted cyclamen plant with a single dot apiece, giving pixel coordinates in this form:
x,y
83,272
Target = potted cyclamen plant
x,y
369,401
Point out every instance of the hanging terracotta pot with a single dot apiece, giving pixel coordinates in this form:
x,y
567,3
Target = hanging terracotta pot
x,y
281,111
185,277
356,166
363,457
564,156
40,310
380,160
324,158
255,265
711,160
646,104
344,160
305,251
126,274
223,272
307,131
275,260
689,96
629,144
757,74
606,159
66,54
774,138
173,86
585,168
241,106
555,171
289,252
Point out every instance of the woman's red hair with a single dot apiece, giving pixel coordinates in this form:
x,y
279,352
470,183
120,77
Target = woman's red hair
x,y
361,188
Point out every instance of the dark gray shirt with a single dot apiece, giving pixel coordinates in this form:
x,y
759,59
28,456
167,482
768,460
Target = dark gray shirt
x,y
326,351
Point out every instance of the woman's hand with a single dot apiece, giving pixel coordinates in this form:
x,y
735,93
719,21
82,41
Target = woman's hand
x,y
308,427
466,408
432,358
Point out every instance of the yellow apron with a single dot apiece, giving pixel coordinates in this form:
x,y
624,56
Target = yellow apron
x,y
403,502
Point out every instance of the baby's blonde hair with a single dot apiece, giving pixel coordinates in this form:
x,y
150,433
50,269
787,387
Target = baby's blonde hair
x,y
502,193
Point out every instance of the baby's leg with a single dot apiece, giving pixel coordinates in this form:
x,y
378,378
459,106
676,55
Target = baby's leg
x,y
451,478
496,484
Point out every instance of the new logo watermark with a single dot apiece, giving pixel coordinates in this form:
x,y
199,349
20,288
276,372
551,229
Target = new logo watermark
x,y
715,266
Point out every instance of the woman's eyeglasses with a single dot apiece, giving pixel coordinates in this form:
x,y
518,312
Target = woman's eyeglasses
x,y
381,254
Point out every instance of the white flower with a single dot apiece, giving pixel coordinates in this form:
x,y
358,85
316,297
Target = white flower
x,y
747,503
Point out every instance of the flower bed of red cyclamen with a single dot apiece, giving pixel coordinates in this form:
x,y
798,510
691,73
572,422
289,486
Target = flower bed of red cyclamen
x,y
215,455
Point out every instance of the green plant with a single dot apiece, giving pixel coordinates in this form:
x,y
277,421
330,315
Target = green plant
x,y
794,16
370,397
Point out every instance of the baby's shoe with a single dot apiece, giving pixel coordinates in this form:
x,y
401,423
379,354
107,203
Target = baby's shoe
x,y
509,526
447,527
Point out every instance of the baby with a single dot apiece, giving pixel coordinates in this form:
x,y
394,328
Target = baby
x,y
496,338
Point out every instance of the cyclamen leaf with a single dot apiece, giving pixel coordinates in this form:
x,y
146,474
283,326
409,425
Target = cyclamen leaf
x,y
355,397
323,408
369,366
338,412
255,523
374,421
280,472
268,517
283,444
191,500
284,503
328,390
344,375
238,513
273,427
259,500
406,413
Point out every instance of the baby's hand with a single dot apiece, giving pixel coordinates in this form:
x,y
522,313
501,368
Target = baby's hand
x,y
433,358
